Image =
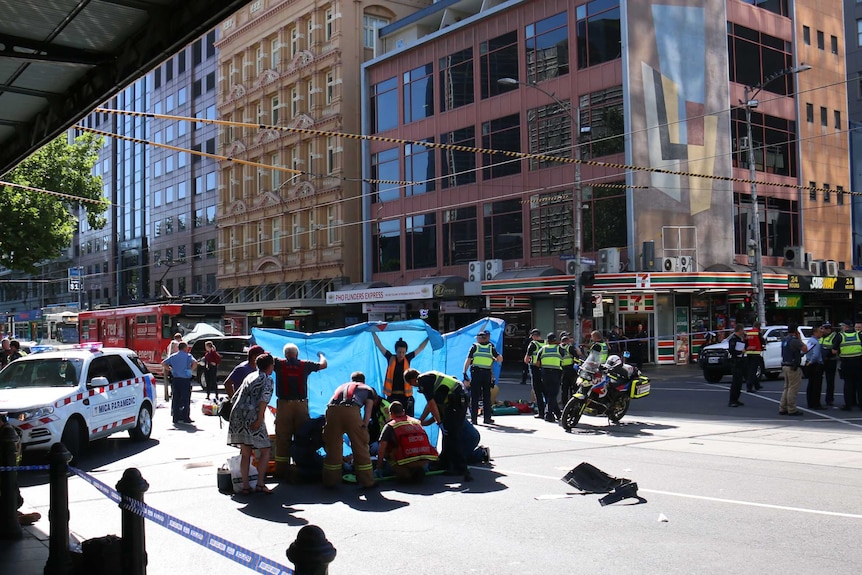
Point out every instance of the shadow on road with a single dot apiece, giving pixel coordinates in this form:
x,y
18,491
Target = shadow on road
x,y
623,429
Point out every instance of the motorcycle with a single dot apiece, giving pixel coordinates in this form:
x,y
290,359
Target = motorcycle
x,y
602,391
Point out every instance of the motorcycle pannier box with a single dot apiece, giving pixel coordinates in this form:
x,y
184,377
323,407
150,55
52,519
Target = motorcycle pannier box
x,y
640,387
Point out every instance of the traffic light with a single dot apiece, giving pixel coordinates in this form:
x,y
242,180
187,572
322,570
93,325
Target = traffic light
x,y
570,302
587,306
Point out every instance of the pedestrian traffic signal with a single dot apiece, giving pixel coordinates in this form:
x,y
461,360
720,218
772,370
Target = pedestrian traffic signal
x,y
587,307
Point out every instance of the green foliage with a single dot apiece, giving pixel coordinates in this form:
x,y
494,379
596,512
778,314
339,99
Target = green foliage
x,y
37,226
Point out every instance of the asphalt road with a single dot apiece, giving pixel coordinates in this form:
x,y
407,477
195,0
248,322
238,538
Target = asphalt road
x,y
727,490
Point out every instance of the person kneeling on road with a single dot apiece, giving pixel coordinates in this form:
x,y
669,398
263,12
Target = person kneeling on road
x,y
405,446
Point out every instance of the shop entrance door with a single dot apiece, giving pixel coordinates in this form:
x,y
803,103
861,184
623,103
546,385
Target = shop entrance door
x,y
642,350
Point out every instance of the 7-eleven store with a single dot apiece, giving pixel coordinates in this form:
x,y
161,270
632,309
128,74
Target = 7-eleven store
x,y
676,309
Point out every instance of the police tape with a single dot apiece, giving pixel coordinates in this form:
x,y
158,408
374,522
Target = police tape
x,y
223,547
25,468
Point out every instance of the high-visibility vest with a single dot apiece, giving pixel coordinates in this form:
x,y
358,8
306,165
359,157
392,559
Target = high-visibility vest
x,y
569,358
827,342
755,346
603,351
851,345
411,441
446,381
537,346
482,355
390,378
551,358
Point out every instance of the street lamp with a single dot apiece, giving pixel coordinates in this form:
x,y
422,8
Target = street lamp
x,y
578,193
750,102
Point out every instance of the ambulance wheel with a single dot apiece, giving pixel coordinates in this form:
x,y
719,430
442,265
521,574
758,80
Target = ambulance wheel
x,y
144,425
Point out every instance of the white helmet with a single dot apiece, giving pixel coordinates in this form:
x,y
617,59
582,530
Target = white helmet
x,y
612,362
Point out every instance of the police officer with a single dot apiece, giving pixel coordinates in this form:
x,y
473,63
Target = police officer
x,y
754,356
550,359
535,371
447,407
830,362
598,344
736,347
479,379
567,383
848,346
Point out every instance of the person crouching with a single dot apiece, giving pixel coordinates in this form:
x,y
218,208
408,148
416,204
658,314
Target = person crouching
x,y
405,446
344,415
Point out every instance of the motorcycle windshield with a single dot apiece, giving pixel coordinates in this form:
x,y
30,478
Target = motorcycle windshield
x,y
590,365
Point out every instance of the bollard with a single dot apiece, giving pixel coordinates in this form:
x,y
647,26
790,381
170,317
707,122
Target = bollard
x,y
134,544
9,526
59,559
311,553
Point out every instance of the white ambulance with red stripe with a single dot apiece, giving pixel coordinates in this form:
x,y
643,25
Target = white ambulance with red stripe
x,y
77,395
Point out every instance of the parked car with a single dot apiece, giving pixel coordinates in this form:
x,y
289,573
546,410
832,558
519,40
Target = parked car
x,y
232,348
714,359
77,396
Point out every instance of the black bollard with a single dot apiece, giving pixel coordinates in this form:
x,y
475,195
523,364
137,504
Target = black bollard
x,y
9,526
311,553
59,559
134,544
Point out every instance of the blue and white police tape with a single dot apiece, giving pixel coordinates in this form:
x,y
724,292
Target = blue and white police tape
x,y
25,468
249,559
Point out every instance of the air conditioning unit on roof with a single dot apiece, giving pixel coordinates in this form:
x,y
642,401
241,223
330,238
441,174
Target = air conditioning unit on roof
x,y
831,268
669,264
475,271
686,264
492,268
570,267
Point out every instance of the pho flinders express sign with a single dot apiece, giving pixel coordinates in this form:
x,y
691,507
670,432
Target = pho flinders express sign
x,y
819,283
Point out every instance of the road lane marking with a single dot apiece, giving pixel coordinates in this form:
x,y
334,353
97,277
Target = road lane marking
x,y
691,496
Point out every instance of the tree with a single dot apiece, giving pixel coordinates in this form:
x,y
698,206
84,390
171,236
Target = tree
x,y
36,226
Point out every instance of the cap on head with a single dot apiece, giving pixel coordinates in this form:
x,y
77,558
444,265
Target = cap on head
x,y
484,333
826,325
253,352
847,322
535,331
551,336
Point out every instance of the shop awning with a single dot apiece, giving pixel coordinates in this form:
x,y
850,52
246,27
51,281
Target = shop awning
x,y
444,286
534,272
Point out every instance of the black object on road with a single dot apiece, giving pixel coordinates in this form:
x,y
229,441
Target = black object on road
x,y
590,479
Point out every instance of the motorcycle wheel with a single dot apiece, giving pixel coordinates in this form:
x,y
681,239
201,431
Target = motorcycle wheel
x,y
618,409
572,413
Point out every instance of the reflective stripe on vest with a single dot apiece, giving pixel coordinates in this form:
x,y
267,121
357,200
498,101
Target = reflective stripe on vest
x,y
851,345
827,342
390,378
754,345
482,356
444,380
551,357
383,414
411,441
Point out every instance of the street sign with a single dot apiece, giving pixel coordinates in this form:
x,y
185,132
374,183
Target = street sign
x,y
76,279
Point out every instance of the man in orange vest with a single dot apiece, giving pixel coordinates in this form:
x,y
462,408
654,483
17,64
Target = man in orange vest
x,y
755,344
394,386
405,445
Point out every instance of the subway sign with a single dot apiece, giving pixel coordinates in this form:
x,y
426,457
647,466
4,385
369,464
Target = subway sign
x,y
818,283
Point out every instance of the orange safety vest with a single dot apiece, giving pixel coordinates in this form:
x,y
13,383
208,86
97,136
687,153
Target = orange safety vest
x,y
411,441
390,378
755,346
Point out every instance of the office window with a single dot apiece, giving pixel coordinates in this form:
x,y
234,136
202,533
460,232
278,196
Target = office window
x,y
199,218
599,36
295,232
812,191
384,105
809,113
294,41
460,239
294,102
276,174
276,236
330,87
827,195
312,229
833,44
552,228
456,80
550,130
370,26
754,55
504,229
501,134
821,40
273,111
169,225
275,54
859,32
824,116
419,168
211,215
547,46
384,166
260,60
329,18
839,195
181,222
157,228
261,236
386,246
458,167
806,35
420,240
498,58
331,150
211,248
837,115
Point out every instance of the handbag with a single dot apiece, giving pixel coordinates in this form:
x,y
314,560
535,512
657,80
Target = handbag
x,y
233,464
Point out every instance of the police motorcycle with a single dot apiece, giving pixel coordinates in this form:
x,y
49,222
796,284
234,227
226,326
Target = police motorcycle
x,y
604,390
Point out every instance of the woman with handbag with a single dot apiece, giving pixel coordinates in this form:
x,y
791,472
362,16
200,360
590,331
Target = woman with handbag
x,y
210,363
